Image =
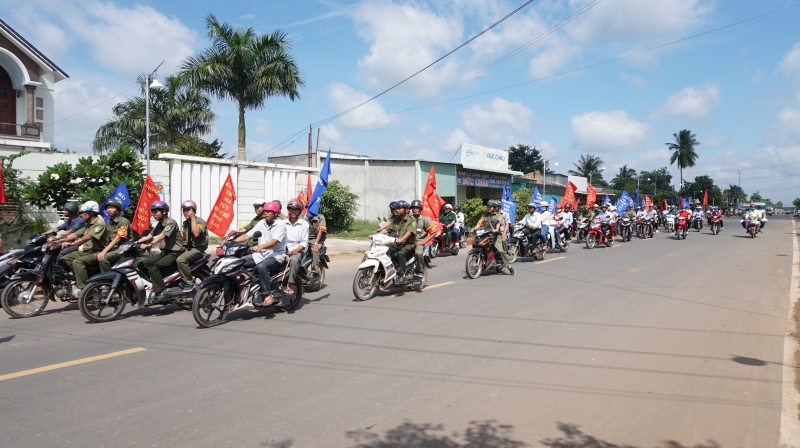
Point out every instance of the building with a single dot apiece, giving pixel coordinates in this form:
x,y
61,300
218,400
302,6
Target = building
x,y
27,83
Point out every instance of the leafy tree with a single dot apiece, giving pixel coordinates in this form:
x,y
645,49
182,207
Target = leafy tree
x,y
756,197
175,111
779,204
656,180
588,166
684,150
14,187
625,179
189,145
700,185
339,205
245,67
523,198
524,158
473,209
735,194
796,203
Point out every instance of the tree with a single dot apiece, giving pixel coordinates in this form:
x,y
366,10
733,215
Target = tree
x,y
796,203
588,166
473,209
523,196
779,204
189,145
625,180
244,67
700,185
524,158
683,148
339,205
656,180
756,197
735,194
175,110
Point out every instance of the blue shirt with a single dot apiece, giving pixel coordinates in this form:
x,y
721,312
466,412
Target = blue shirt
x,y
568,219
73,224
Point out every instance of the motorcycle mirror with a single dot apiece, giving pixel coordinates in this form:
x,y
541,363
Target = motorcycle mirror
x,y
257,235
146,232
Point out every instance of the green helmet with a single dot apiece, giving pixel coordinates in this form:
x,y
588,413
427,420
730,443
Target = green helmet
x,y
416,203
114,203
493,203
71,206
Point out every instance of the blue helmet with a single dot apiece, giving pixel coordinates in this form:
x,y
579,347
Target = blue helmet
x,y
532,204
402,203
392,205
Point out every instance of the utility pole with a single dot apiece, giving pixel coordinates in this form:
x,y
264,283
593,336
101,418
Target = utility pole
x,y
309,145
740,189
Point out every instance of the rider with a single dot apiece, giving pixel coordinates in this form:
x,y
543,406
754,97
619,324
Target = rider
x,y
426,231
296,240
72,224
459,224
716,213
280,214
168,237
195,235
532,225
258,207
607,221
652,214
629,213
317,231
118,228
544,219
93,237
268,255
568,219
753,214
684,213
698,214
561,223
493,221
405,227
448,220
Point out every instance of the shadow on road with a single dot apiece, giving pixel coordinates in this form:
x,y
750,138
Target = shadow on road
x,y
479,434
7,338
575,438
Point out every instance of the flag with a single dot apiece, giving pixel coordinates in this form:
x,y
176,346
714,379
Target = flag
x,y
647,202
2,187
577,204
509,204
635,195
537,197
120,194
607,200
141,218
308,193
623,203
705,198
670,200
662,205
322,185
591,195
221,216
569,195
551,207
429,202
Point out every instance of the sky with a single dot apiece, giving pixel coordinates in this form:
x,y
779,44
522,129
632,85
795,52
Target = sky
x,y
737,89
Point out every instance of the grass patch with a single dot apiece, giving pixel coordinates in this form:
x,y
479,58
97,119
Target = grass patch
x,y
361,229
214,240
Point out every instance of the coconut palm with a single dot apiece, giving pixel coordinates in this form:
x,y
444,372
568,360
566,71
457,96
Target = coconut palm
x,y
683,150
588,166
175,110
245,67
625,177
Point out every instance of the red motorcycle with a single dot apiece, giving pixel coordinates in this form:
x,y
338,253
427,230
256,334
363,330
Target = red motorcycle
x,y
597,236
681,227
437,245
715,224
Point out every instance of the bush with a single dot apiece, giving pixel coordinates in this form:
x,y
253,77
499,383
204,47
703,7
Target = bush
x,y
339,205
523,198
14,187
473,209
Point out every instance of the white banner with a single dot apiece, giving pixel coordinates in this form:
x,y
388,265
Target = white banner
x,y
476,156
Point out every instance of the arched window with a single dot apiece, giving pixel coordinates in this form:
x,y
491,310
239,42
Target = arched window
x,y
8,105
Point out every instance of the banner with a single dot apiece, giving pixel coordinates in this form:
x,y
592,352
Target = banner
x,y
322,185
509,204
537,197
705,198
569,195
221,217
635,195
670,200
623,203
141,218
591,195
481,157
120,194
551,207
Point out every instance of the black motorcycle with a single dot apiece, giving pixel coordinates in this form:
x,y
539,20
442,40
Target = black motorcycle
x,y
19,259
625,229
313,281
518,245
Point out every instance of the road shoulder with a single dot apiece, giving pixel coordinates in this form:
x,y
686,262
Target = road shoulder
x,y
790,408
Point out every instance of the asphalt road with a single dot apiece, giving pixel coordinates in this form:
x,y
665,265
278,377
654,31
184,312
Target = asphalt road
x,y
644,344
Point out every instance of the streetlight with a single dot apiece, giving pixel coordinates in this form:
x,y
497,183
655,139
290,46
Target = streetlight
x,y
544,178
149,85
590,174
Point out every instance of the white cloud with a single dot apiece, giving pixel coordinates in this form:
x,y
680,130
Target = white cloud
x,y
247,17
789,118
690,103
635,80
498,123
403,39
371,115
557,54
791,62
73,96
608,131
716,141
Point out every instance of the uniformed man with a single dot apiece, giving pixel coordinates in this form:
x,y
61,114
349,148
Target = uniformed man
x,y
317,231
493,221
195,237
93,237
168,237
119,231
258,207
280,214
448,220
72,224
426,231
405,227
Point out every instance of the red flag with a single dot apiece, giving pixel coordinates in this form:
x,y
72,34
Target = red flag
x,y
591,195
2,187
308,193
647,202
705,198
662,205
219,221
141,218
569,195
430,192
577,204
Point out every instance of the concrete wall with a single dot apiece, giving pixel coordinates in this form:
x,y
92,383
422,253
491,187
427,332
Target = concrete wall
x,y
389,180
445,178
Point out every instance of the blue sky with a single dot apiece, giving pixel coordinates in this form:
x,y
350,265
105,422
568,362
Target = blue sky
x,y
738,89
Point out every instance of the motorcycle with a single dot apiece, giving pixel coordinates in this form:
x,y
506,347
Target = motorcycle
x,y
313,281
669,223
624,227
697,223
482,257
753,228
106,294
19,259
715,224
681,228
438,247
233,287
597,236
378,271
646,228
518,243
582,229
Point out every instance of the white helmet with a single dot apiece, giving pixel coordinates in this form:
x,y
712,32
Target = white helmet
x,y
446,206
611,208
544,204
90,206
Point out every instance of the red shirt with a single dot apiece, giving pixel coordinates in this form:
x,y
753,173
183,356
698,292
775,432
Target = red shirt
x,y
684,214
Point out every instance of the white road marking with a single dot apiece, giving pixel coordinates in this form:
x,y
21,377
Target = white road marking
x,y
790,425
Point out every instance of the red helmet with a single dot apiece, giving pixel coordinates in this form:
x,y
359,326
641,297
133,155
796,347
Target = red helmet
x,y
294,203
189,204
272,207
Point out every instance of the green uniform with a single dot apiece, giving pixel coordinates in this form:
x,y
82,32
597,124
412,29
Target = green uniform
x,y
489,222
630,214
316,225
81,261
400,226
424,228
171,247
121,228
446,219
194,248
251,242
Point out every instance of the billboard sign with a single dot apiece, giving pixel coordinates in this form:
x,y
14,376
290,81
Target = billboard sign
x,y
476,156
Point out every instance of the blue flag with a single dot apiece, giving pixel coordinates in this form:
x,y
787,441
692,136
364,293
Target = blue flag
x,y
623,203
607,200
322,185
509,204
552,206
670,200
635,195
537,197
120,194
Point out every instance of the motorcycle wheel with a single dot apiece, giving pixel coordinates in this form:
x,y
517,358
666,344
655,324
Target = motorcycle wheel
x,y
454,250
752,235
591,241
91,301
210,306
315,281
539,252
564,245
473,265
581,237
362,288
14,306
198,278
628,235
434,250
291,303
419,283
513,253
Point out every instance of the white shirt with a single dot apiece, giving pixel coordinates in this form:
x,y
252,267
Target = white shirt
x,y
277,231
532,220
546,218
296,234
459,220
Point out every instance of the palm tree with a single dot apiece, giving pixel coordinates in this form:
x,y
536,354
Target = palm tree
x,y
244,67
588,166
683,150
622,179
175,110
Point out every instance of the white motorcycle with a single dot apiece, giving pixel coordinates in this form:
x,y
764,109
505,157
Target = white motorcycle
x,y
670,223
378,271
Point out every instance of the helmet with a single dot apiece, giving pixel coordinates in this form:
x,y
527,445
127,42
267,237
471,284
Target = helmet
x,y
543,204
402,203
71,206
90,206
280,205
638,207
752,205
159,205
457,208
189,204
446,206
612,208
392,205
605,205
416,203
568,207
294,203
532,204
559,207
596,206
258,204
490,203
685,207
114,203
272,207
